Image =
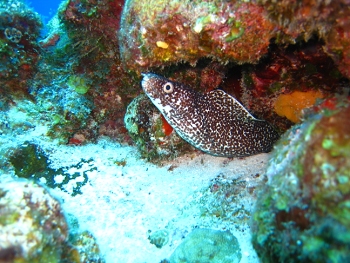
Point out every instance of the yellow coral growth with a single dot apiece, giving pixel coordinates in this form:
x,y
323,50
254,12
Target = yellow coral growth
x,y
291,105
162,44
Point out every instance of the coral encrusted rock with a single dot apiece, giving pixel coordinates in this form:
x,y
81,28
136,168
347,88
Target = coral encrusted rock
x,y
33,227
160,33
153,136
303,212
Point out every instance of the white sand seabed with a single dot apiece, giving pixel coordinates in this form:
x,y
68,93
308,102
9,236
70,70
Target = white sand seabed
x,y
126,197
120,204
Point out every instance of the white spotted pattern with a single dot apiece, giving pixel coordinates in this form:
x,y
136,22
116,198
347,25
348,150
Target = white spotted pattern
x,y
215,123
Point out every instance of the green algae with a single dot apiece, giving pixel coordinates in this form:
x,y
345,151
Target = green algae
x,y
78,84
237,30
30,161
6,219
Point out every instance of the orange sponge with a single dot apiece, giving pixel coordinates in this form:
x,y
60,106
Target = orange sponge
x,y
291,105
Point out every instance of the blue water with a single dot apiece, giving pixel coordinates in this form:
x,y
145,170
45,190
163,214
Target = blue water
x,y
47,9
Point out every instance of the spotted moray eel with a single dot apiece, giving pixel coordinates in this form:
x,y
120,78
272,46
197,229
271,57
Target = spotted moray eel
x,y
215,122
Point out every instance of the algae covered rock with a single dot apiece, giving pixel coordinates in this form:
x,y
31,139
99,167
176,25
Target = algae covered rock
x,y
208,245
33,227
164,32
302,19
303,212
83,248
31,162
153,136
20,27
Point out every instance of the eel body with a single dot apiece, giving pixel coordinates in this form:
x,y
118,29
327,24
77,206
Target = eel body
x,y
215,122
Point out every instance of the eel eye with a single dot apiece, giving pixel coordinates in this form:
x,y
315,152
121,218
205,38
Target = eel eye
x,y
168,87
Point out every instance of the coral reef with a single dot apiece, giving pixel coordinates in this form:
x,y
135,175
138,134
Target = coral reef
x,y
265,89
81,58
94,56
19,50
83,248
302,213
65,108
91,46
146,127
159,33
80,81
34,228
301,19
208,245
62,96
162,33
303,67
278,58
